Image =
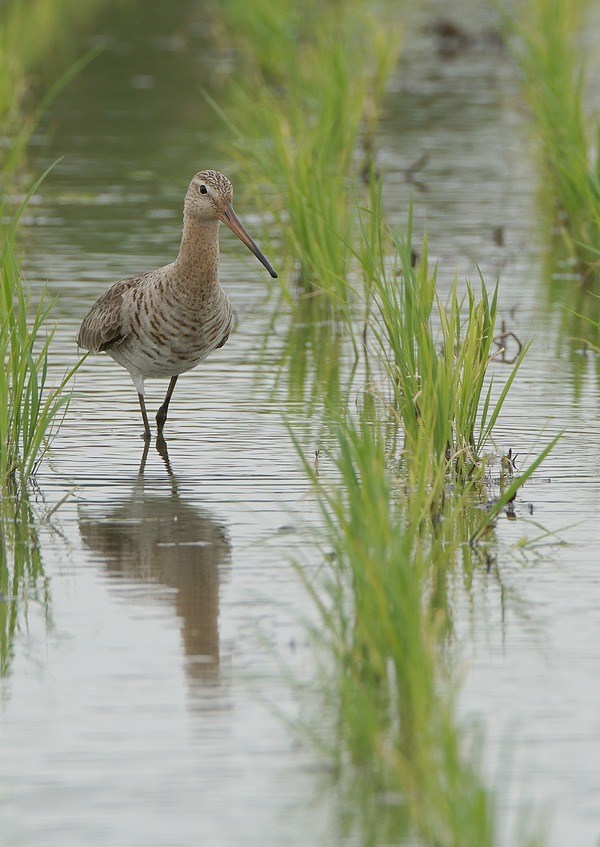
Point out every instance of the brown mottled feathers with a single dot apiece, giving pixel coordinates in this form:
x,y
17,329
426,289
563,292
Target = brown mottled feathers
x,y
164,322
103,325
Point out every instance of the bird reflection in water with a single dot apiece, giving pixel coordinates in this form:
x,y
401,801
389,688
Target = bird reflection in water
x,y
153,538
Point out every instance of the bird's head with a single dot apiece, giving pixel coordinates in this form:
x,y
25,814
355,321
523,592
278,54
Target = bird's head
x,y
210,197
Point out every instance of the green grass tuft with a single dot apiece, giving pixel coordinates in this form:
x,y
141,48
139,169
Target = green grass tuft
x,y
546,46
29,406
314,78
437,357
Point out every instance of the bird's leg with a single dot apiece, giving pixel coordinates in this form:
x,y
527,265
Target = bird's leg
x,y
147,433
161,415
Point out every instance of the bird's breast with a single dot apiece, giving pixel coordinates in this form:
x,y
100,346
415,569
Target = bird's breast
x,y
168,334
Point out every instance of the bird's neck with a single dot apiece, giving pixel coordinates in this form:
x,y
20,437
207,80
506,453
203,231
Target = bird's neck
x,y
198,259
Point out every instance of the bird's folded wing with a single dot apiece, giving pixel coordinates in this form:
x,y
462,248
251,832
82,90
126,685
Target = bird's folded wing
x,y
105,324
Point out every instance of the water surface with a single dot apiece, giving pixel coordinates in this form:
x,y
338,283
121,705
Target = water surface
x,y
142,703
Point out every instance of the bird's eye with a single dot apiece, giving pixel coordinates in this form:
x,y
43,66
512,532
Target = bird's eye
x,y
203,189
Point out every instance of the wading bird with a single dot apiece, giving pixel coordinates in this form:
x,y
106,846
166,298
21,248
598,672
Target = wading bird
x,y
164,322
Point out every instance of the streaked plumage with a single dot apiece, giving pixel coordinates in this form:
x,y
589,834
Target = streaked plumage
x,y
164,322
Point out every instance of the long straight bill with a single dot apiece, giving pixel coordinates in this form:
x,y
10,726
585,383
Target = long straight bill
x,y
230,219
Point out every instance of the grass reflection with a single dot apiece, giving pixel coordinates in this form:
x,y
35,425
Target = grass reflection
x,y
385,623
314,358
575,306
396,717
22,577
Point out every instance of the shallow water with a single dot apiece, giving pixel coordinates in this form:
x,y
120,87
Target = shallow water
x,y
142,702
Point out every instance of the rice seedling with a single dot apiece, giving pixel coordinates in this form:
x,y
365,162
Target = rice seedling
x,y
297,125
437,356
380,597
314,77
553,67
29,406
395,531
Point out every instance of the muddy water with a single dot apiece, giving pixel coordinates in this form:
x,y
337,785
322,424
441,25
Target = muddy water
x,y
142,702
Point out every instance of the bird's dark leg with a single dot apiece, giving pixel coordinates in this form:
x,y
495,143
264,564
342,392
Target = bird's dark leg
x,y
161,415
146,434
